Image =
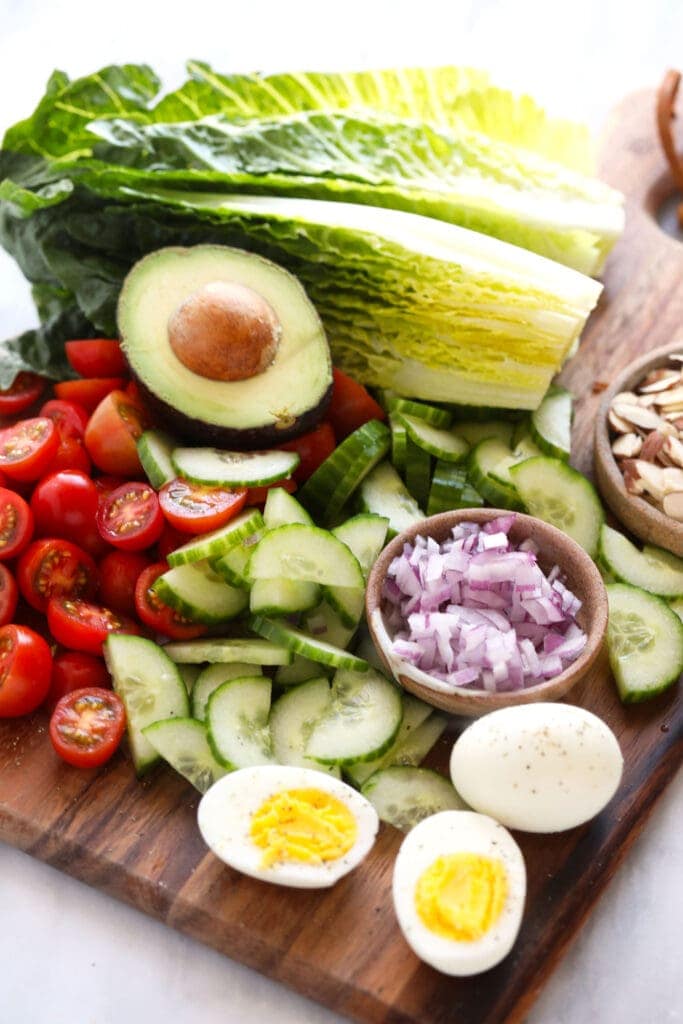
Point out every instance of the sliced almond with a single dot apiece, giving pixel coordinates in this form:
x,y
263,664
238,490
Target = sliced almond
x,y
672,505
674,396
627,446
616,423
652,445
673,449
625,398
672,479
647,419
642,477
676,357
659,380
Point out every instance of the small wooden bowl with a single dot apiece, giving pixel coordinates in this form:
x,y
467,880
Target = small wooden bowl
x,y
641,518
555,548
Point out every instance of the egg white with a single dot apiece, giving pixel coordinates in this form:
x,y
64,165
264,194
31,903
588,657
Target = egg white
x,y
225,814
458,832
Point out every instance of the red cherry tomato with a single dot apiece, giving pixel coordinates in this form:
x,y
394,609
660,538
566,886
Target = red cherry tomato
x,y
112,433
96,357
9,595
28,448
16,524
82,626
26,389
51,568
64,504
157,615
313,448
72,454
191,508
351,406
87,726
106,484
170,540
25,667
70,418
258,495
130,517
74,670
88,393
119,572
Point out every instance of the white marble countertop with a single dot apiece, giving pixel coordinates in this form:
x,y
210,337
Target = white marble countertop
x,y
73,956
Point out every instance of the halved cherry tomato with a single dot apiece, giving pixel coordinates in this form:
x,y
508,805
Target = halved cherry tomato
x,y
96,357
157,615
191,508
87,726
25,667
351,406
74,670
26,389
130,517
313,448
119,571
88,393
82,626
72,454
170,540
258,495
55,568
112,433
28,448
9,595
70,418
16,523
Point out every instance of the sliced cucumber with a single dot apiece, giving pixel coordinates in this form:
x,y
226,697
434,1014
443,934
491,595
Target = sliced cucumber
x,y
154,451
644,641
560,495
676,606
474,431
297,642
417,744
216,468
282,597
418,474
652,569
300,671
292,720
150,686
324,623
551,424
200,594
189,675
348,603
365,536
361,720
451,489
421,410
299,552
213,545
227,650
233,566
415,712
237,722
404,796
327,491
184,744
383,493
488,469
281,509
444,444
211,678
399,442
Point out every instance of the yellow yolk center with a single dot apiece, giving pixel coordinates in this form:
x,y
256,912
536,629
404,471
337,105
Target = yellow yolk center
x,y
305,825
461,895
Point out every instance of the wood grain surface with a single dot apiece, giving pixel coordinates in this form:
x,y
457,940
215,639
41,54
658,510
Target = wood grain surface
x,y
139,841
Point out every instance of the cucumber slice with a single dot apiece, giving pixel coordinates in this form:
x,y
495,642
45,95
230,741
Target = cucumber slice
x,y
415,712
474,431
361,720
677,606
499,490
348,603
551,424
299,552
520,431
292,720
183,743
324,623
237,722
384,493
189,675
213,545
451,489
297,642
652,569
281,509
444,444
560,495
326,492
216,468
421,410
253,652
200,594
644,641
417,744
365,536
211,678
418,474
404,796
154,451
233,566
282,597
300,671
150,686
399,442
525,448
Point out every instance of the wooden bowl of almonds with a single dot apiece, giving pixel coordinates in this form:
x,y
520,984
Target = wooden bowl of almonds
x,y
639,447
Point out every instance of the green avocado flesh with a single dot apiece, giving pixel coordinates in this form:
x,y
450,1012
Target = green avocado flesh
x,y
287,398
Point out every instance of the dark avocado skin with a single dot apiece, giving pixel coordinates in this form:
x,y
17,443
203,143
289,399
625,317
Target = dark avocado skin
x,y
250,439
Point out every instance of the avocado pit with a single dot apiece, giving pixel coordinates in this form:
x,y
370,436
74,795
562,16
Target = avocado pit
x,y
225,331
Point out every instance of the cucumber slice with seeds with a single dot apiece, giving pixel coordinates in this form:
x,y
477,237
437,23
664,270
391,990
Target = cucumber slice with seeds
x,y
297,642
361,720
282,597
652,569
213,545
644,641
560,495
215,468
551,424
451,489
326,492
497,488
443,444
299,552
214,676
200,594
395,404
292,720
365,536
228,650
237,722
184,744
384,493
415,712
154,451
281,509
404,796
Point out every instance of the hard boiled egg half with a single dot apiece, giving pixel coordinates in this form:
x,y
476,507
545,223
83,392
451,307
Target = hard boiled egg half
x,y
459,889
288,825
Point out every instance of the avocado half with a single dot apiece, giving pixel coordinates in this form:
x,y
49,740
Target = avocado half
x,y
226,346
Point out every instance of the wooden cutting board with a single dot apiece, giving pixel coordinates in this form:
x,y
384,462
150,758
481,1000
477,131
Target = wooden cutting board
x,y
139,841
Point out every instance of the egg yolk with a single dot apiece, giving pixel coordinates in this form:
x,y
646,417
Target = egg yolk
x,y
461,895
305,825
